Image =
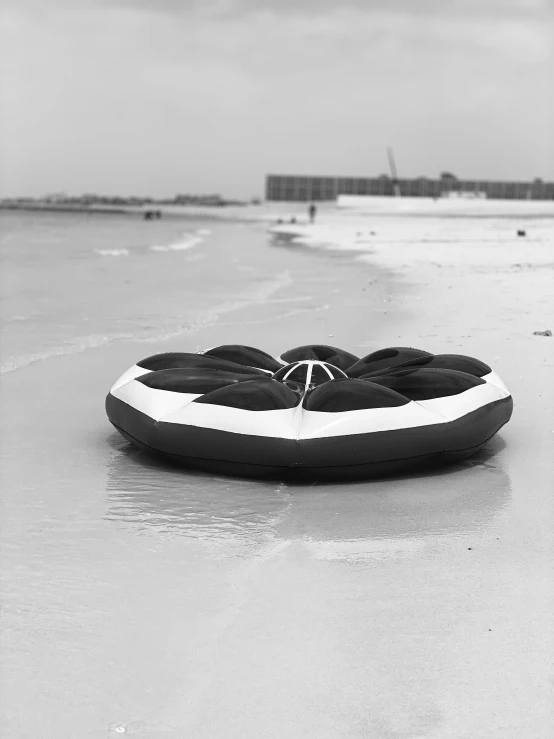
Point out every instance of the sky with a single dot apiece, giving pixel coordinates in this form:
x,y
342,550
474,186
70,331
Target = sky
x,y
158,97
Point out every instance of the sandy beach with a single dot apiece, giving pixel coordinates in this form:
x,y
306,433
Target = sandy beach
x,y
145,600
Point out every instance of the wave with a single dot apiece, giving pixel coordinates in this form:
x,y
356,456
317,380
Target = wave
x,y
152,334
189,241
17,317
112,252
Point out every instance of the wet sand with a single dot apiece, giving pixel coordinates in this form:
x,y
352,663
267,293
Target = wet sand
x,y
145,600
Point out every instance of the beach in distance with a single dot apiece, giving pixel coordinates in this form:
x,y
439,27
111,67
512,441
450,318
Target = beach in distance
x,y
144,599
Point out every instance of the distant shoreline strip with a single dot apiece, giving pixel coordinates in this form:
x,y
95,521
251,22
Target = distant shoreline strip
x,y
69,208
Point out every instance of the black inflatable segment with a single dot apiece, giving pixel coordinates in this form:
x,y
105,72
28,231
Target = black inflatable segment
x,y
297,373
187,360
254,395
385,358
194,380
458,362
322,353
348,394
421,383
247,356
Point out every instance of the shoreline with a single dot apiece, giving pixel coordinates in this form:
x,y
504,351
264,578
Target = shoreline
x,y
37,207
380,608
268,211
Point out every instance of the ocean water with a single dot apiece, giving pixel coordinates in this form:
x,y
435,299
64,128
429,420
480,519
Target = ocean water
x,y
72,282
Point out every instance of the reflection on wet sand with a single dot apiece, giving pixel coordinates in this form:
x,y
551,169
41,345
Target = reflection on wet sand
x,y
153,494
334,520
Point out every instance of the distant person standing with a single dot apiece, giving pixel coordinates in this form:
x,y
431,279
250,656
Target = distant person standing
x,y
312,210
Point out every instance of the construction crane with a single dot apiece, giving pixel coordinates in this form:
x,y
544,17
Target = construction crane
x,y
393,172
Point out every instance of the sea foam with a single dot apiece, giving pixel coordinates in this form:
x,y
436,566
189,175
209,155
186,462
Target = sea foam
x,y
112,252
188,242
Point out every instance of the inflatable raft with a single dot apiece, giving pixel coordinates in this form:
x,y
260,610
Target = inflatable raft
x,y
315,409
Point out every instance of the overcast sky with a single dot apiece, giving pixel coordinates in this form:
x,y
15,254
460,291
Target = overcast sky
x,y
165,96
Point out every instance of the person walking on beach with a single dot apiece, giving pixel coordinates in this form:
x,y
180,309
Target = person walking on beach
x,y
312,210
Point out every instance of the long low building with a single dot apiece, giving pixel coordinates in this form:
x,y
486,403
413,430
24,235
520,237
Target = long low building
x,y
306,188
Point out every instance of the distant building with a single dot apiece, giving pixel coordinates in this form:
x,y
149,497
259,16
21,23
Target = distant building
x,y
211,199
306,188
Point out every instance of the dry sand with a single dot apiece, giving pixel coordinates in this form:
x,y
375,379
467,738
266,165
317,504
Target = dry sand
x,y
148,601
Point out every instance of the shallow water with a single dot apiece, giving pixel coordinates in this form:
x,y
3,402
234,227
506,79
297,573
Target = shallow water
x,y
73,282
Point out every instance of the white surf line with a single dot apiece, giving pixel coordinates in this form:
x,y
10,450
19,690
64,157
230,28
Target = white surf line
x,y
17,317
74,346
188,242
112,252
281,316
210,318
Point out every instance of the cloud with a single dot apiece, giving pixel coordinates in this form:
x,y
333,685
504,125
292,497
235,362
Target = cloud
x,y
318,7
311,8
164,97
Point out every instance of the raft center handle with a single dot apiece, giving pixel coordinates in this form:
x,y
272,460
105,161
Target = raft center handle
x,y
309,372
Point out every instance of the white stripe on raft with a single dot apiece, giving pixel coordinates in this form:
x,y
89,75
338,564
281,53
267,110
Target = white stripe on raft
x,y
452,407
152,402
281,424
131,374
298,423
319,424
494,379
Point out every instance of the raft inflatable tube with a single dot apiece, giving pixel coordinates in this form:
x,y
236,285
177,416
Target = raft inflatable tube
x,y
316,409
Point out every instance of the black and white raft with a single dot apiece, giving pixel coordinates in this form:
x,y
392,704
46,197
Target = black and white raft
x,y
315,409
